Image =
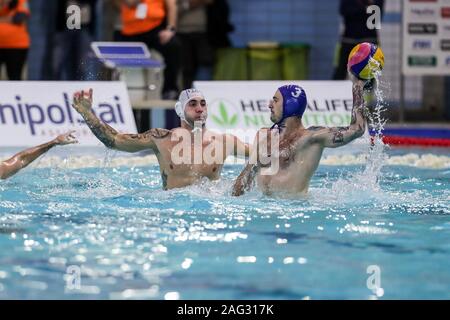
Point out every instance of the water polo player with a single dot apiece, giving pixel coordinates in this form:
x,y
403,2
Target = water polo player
x,y
300,149
185,154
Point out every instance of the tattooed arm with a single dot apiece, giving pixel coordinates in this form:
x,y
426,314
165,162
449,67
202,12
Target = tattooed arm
x,y
339,136
108,135
245,180
13,165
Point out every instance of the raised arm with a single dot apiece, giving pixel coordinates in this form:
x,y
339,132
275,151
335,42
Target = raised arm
x,y
339,136
13,165
82,103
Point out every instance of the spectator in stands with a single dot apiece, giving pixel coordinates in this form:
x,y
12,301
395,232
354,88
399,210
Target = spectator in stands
x,y
71,46
14,38
154,22
197,59
355,16
202,27
218,24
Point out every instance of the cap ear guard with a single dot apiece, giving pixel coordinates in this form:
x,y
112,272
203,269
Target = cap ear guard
x,y
179,110
294,107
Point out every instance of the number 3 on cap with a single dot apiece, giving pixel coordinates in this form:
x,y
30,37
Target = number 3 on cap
x,y
297,93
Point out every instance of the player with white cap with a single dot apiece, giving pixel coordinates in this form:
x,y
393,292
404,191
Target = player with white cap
x,y
186,96
185,154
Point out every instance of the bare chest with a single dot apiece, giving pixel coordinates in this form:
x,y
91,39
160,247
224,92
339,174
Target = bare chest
x,y
205,159
281,154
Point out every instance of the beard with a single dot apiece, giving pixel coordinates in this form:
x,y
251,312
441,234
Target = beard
x,y
273,118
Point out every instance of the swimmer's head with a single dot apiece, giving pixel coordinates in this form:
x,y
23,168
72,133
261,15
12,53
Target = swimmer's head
x,y
191,107
288,101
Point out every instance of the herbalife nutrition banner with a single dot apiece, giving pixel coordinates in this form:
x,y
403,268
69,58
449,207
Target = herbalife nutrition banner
x,y
242,106
34,112
426,37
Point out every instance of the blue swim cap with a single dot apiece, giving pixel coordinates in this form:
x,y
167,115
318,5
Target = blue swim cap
x,y
294,101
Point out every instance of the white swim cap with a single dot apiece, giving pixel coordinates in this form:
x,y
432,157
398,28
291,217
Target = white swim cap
x,y
184,98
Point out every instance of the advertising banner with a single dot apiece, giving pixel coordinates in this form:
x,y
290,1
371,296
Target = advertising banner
x,y
426,37
241,107
33,112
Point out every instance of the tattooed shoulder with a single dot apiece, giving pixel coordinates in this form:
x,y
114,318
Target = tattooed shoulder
x,y
159,133
154,133
338,134
315,128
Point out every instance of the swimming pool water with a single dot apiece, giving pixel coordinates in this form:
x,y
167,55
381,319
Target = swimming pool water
x,y
131,240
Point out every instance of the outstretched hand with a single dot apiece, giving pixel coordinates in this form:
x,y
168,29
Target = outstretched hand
x,y
82,101
66,138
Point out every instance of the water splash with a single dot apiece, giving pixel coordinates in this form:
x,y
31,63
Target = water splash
x,y
376,156
367,181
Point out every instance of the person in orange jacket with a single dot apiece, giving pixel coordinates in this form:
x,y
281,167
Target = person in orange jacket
x,y
154,22
14,38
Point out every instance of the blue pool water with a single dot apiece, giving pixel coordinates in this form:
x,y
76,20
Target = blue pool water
x,y
131,240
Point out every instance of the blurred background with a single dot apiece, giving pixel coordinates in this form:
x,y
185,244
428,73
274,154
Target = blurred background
x,y
215,40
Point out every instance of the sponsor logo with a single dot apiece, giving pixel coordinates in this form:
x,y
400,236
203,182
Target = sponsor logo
x,y
445,45
35,115
445,12
244,114
224,114
422,61
420,44
254,113
422,28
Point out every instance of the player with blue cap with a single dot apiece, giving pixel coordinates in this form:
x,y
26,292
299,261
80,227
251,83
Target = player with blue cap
x,y
294,103
287,158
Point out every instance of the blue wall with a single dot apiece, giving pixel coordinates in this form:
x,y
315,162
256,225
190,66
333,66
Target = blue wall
x,y
313,22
